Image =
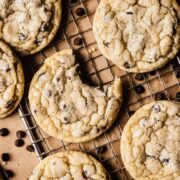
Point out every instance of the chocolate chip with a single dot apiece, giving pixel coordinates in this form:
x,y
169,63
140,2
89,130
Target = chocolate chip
x,y
139,89
106,44
30,148
78,41
4,132
5,157
178,74
156,108
127,65
174,31
9,173
152,73
160,96
38,41
8,69
165,160
149,156
101,150
64,106
65,120
19,142
175,64
178,96
131,113
80,12
45,26
85,174
73,1
20,134
129,13
139,77
9,104
22,36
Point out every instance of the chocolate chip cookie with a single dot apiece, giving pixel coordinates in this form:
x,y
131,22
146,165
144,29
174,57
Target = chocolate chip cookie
x,y
137,35
11,81
29,25
70,165
150,142
68,109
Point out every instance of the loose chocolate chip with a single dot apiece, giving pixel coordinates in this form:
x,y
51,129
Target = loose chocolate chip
x,y
139,89
178,96
20,134
19,142
5,157
178,74
127,65
30,148
78,41
9,104
22,36
152,73
4,132
165,160
80,12
129,12
139,77
101,150
9,173
73,1
45,26
160,96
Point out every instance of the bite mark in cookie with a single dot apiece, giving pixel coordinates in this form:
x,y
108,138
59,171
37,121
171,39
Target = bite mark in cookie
x,y
68,109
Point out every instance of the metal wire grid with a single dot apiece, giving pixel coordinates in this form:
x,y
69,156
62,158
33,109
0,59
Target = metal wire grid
x,y
109,143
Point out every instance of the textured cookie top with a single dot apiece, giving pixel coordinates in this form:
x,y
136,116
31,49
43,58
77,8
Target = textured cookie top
x,y
67,108
29,25
138,35
150,145
11,80
70,165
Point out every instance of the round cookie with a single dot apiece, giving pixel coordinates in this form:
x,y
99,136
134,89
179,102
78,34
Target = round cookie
x,y
70,165
68,109
29,25
11,81
137,35
150,142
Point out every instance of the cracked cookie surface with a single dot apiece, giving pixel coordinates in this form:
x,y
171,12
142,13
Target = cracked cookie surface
x,y
68,109
70,165
150,143
11,81
29,25
137,35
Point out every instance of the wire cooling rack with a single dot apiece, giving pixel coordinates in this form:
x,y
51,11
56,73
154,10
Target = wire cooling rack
x,y
138,89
